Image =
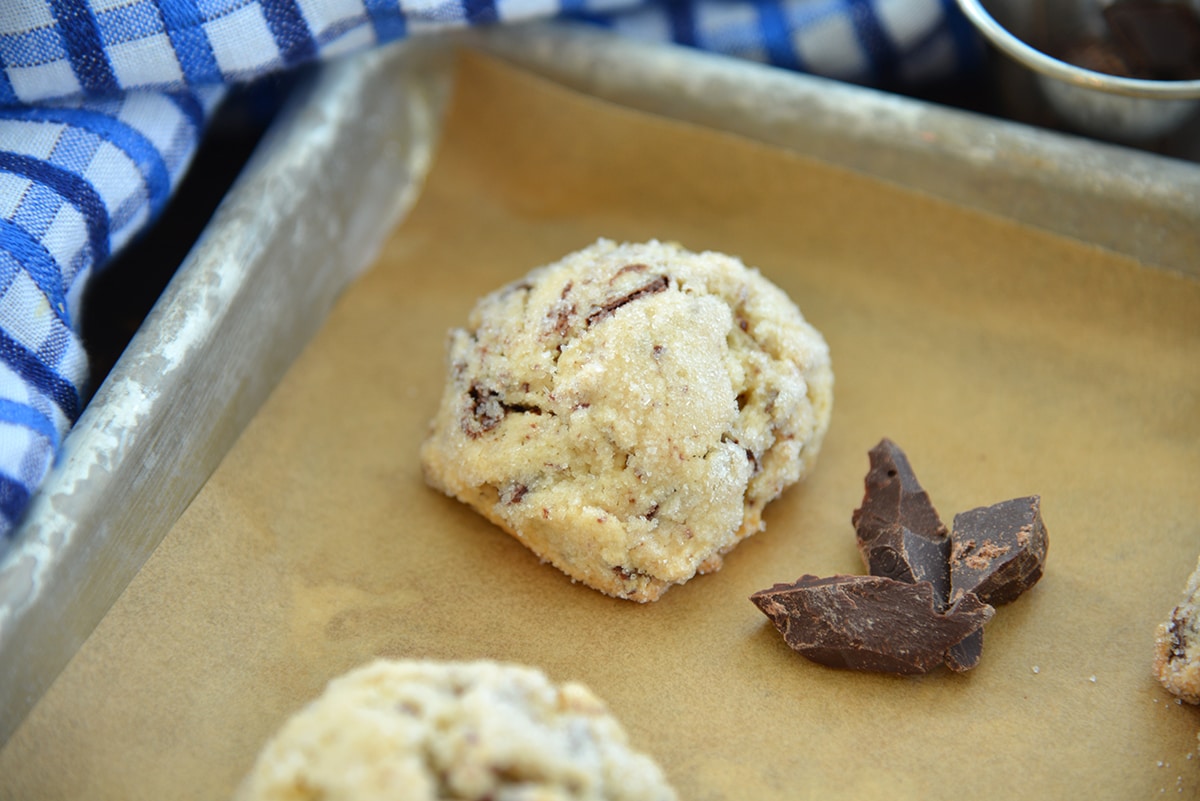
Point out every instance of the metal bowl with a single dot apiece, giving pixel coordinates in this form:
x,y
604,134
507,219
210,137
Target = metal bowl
x,y
1096,103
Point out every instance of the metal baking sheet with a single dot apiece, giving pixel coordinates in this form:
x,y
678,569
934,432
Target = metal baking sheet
x,y
339,170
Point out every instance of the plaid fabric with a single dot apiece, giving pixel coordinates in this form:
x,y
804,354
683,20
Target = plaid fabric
x,y
897,44
102,104
78,178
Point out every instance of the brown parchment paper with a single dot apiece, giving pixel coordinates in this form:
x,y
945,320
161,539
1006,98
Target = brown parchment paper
x,y
1005,361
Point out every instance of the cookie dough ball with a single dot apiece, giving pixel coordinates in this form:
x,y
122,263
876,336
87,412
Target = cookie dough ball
x,y
1177,645
447,731
628,411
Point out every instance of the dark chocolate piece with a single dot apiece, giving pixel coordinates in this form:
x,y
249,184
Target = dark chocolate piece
x,y
513,493
659,284
1176,630
966,654
870,622
1098,56
897,552
900,534
1145,39
901,554
562,311
1158,40
630,268
893,496
929,593
486,409
998,551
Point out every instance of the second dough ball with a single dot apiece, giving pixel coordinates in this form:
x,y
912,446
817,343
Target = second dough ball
x,y
452,731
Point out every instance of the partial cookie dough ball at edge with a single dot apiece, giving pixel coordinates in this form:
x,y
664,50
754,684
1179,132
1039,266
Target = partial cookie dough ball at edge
x,y
426,730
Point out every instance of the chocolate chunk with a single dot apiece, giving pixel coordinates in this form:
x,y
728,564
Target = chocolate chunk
x,y
659,284
1176,627
893,496
901,554
486,409
870,622
998,551
1159,40
929,593
966,654
900,534
561,312
513,493
637,267
1098,56
1145,39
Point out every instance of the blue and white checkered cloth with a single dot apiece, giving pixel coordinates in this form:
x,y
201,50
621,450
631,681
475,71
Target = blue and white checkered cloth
x,y
103,102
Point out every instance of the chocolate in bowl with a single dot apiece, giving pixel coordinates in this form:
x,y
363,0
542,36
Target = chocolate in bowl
x,y
1101,94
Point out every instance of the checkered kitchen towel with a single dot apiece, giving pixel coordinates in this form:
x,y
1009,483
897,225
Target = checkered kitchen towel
x,y
102,103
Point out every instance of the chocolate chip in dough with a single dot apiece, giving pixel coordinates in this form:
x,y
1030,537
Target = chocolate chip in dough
x,y
659,284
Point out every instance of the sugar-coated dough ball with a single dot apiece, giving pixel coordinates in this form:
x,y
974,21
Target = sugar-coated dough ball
x,y
1177,645
628,411
451,731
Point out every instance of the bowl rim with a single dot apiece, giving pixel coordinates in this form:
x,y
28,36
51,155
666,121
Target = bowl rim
x,y
1038,61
